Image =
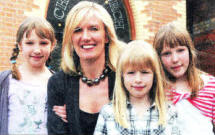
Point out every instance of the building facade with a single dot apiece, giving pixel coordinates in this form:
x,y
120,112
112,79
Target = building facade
x,y
142,18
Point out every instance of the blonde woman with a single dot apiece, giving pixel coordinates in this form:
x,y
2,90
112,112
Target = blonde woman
x,y
139,105
191,90
85,84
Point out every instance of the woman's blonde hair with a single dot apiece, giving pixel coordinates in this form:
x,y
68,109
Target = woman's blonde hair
x,y
42,28
139,55
171,36
74,17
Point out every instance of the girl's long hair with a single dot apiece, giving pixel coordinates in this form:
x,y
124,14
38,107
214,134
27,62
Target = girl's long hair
x,y
42,28
171,36
138,55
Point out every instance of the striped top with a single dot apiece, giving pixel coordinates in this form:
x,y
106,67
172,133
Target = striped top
x,y
205,101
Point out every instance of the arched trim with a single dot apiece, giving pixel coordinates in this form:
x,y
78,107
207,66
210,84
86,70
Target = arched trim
x,y
131,19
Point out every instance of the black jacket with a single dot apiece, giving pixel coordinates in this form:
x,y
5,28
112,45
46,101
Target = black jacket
x,y
64,89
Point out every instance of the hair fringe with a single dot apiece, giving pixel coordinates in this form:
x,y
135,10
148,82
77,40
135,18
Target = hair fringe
x,y
165,36
132,52
42,28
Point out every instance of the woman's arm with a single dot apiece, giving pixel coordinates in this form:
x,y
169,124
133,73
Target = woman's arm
x,y
55,125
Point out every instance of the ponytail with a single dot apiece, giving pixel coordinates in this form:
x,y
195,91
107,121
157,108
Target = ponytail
x,y
15,72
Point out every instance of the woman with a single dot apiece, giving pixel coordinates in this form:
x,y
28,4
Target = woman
x,y
191,90
89,54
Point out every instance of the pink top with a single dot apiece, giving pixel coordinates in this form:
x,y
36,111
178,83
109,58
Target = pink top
x,y
205,101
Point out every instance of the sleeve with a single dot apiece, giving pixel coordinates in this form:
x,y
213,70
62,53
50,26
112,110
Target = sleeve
x,y
211,84
55,125
213,114
101,128
213,106
209,81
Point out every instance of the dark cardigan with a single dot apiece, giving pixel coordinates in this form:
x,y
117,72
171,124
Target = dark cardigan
x,y
4,88
64,89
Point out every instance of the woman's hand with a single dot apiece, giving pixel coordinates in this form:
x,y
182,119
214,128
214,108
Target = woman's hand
x,y
61,112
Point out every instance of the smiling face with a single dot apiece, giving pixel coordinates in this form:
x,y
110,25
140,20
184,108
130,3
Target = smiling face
x,y
138,82
89,38
175,60
35,50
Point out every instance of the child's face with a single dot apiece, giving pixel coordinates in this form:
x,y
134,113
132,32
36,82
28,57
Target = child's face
x,y
175,60
138,83
35,50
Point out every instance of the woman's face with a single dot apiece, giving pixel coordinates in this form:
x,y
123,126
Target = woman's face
x,y
175,60
35,50
89,38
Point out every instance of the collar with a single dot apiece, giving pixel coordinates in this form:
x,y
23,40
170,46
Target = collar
x,y
129,105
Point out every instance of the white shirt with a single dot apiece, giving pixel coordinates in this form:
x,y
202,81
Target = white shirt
x,y
191,121
27,108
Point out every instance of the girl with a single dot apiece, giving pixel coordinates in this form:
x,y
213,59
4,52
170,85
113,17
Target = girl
x,y
24,88
138,105
191,90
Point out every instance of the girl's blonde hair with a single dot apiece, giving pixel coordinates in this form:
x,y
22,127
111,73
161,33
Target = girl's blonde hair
x,y
139,55
74,17
171,36
42,28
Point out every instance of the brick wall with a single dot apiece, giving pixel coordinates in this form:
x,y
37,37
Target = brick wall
x,y
12,13
149,15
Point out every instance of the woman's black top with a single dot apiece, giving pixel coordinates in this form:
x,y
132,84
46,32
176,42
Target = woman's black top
x,y
88,122
64,89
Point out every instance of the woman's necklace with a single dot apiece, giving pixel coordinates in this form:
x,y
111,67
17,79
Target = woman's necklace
x,y
91,82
